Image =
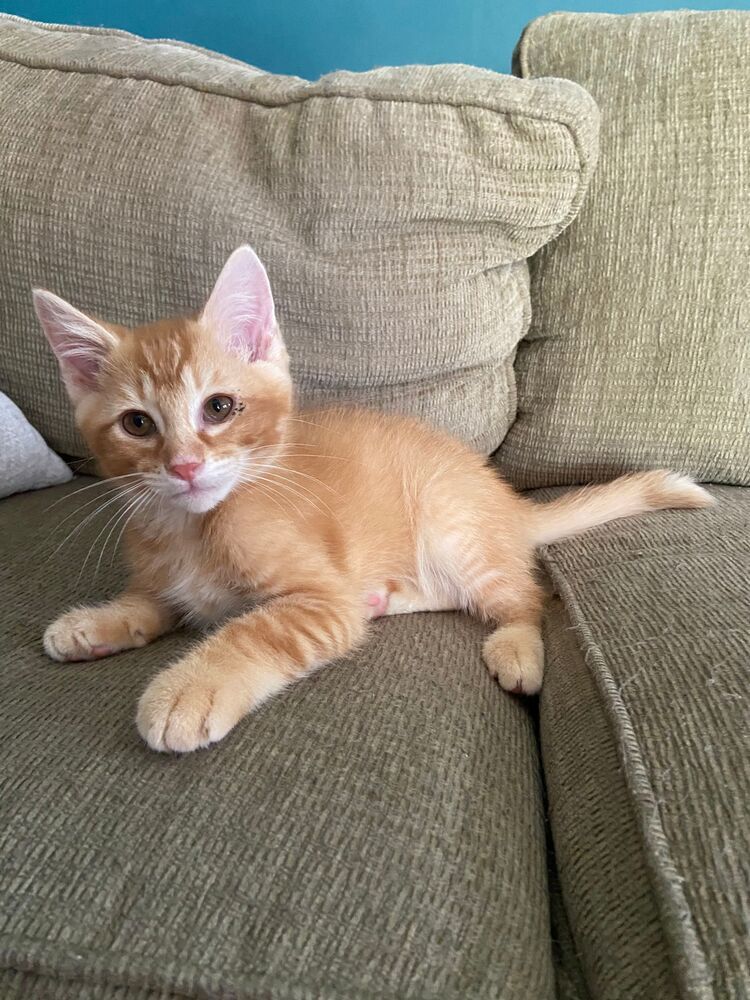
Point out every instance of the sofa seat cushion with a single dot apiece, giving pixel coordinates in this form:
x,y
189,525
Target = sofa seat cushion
x,y
644,728
376,831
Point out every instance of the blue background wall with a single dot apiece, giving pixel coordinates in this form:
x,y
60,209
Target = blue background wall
x,y
311,37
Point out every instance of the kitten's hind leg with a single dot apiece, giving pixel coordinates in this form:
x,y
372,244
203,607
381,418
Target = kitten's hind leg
x,y
514,653
131,620
490,573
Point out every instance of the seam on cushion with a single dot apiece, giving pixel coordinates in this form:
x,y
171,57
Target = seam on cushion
x,y
588,958
524,41
692,973
520,52
219,92
585,164
85,29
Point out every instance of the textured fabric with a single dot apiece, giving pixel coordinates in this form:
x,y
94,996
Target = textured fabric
x,y
645,740
376,831
32,986
26,463
639,351
394,211
570,983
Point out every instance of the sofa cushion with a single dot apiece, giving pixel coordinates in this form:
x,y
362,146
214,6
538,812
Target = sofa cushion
x,y
394,211
644,727
639,351
376,831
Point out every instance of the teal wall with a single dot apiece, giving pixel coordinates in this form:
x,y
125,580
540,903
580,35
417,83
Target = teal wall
x,y
310,37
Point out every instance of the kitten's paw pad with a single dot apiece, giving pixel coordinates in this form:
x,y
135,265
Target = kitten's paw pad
x,y
180,711
91,633
73,638
515,655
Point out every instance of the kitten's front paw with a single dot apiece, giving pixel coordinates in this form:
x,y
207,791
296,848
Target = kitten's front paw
x,y
77,636
187,706
515,655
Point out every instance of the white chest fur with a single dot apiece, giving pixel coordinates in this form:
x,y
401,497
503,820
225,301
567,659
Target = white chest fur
x,y
193,584
201,596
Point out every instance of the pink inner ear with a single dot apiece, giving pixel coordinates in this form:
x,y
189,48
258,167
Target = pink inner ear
x,y
240,308
79,342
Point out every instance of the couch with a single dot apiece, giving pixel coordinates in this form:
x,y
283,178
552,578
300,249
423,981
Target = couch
x,y
396,826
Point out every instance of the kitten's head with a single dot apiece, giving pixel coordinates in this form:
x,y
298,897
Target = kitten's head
x,y
193,406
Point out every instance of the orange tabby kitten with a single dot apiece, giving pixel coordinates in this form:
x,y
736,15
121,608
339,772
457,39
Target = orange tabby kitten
x,y
331,517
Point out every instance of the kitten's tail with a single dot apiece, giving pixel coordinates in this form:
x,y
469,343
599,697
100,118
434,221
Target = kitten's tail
x,y
628,495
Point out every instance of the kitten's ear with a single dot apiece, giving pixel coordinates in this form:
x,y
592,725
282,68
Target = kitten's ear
x,y
79,342
240,310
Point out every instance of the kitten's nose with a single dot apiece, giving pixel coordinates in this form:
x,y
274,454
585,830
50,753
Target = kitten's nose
x,y
185,470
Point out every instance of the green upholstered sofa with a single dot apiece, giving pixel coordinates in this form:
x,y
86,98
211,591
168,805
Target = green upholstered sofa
x,y
396,826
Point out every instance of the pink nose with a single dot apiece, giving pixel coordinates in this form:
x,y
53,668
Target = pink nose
x,y
186,470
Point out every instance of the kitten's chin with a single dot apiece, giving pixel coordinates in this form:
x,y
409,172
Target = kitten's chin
x,y
199,501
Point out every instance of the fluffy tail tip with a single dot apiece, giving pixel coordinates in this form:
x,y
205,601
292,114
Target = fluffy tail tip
x,y
670,489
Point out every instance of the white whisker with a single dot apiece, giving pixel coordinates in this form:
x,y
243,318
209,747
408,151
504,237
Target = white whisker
x,y
285,484
296,487
258,480
296,472
93,544
122,491
91,486
264,489
135,505
81,461
310,423
278,472
87,503
285,453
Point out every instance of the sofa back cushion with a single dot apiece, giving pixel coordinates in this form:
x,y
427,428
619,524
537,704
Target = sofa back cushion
x,y
394,211
639,350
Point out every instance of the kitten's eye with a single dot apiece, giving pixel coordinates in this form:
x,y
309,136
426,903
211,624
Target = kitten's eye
x,y
138,424
217,408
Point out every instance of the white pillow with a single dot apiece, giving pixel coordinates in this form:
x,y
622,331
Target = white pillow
x,y
26,462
